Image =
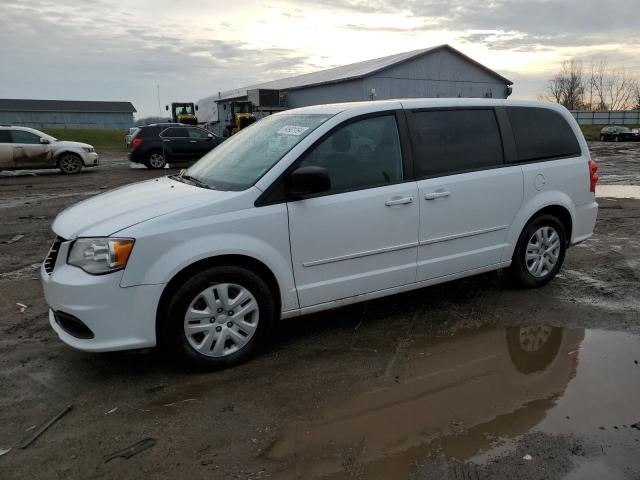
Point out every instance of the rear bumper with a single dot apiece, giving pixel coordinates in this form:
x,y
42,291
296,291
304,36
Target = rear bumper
x,y
584,222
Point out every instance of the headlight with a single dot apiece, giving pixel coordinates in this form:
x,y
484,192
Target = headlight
x,y
88,149
100,255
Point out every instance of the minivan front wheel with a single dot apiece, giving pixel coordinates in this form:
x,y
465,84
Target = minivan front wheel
x,y
540,251
218,318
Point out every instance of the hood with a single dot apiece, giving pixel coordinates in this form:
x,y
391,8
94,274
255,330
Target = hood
x,y
69,144
110,212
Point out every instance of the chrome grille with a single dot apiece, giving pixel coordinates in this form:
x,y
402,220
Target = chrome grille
x,y
50,261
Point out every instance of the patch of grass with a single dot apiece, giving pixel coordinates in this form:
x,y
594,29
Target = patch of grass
x,y
99,138
592,132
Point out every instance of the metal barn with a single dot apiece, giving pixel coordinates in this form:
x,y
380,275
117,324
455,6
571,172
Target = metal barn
x,y
66,114
434,72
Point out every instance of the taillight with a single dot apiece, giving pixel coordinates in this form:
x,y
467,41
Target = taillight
x,y
593,176
136,142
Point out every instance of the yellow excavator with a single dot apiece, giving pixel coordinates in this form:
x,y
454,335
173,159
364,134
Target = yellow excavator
x,y
241,116
183,112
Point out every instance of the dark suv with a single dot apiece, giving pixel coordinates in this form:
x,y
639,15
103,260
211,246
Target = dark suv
x,y
160,143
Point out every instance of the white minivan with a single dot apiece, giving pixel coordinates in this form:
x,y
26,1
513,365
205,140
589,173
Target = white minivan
x,y
315,208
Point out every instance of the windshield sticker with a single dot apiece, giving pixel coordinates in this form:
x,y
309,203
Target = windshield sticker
x,y
292,130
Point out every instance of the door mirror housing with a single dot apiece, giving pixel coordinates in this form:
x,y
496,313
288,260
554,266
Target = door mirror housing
x,y
305,181
209,136
45,141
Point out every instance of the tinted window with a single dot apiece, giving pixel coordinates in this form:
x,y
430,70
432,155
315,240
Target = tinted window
x,y
541,133
5,136
454,141
197,133
20,136
362,154
175,132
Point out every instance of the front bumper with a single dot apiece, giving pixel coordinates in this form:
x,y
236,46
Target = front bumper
x,y
119,318
90,159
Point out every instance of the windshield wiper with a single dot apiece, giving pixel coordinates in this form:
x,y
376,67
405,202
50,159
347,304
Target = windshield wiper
x,y
194,181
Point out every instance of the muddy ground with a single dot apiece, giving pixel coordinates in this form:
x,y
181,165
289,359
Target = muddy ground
x,y
471,379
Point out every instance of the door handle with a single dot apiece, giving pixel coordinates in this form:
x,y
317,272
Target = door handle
x,y
434,195
398,201
193,141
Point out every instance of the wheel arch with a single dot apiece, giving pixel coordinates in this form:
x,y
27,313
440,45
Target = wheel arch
x,y
560,207
236,260
58,155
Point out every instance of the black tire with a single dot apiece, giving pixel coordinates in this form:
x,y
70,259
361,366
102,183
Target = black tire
x,y
173,338
519,270
155,160
70,163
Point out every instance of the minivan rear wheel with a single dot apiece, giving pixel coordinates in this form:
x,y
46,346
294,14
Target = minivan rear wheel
x,y
218,318
540,252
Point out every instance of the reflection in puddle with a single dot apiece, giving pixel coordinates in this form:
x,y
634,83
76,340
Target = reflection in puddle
x,y
456,395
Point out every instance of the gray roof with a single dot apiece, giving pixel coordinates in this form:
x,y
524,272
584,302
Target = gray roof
x,y
350,72
21,105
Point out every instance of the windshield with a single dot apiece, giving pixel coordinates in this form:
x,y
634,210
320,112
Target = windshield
x,y
240,161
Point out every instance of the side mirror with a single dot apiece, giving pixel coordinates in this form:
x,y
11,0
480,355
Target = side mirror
x,y
306,181
45,141
209,136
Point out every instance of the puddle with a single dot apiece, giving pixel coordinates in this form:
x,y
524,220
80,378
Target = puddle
x,y
16,202
465,395
618,191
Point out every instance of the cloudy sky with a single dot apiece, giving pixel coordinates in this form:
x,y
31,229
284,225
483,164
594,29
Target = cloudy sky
x,y
121,50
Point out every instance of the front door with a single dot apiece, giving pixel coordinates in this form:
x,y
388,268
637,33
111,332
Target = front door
x,y
176,144
28,152
361,236
468,196
201,143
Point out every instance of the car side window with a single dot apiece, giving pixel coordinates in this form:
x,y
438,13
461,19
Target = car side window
x,y
5,136
21,136
542,133
175,132
447,142
362,154
197,133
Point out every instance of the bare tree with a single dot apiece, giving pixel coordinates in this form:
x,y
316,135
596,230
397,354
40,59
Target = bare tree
x,y
567,87
614,89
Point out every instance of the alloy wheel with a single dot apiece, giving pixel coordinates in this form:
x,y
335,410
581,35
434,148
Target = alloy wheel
x,y
70,164
156,160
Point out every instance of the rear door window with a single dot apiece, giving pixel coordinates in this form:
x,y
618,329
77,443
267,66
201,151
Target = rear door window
x,y
453,141
541,133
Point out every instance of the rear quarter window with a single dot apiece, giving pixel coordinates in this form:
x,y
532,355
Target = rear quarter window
x,y
541,133
5,136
